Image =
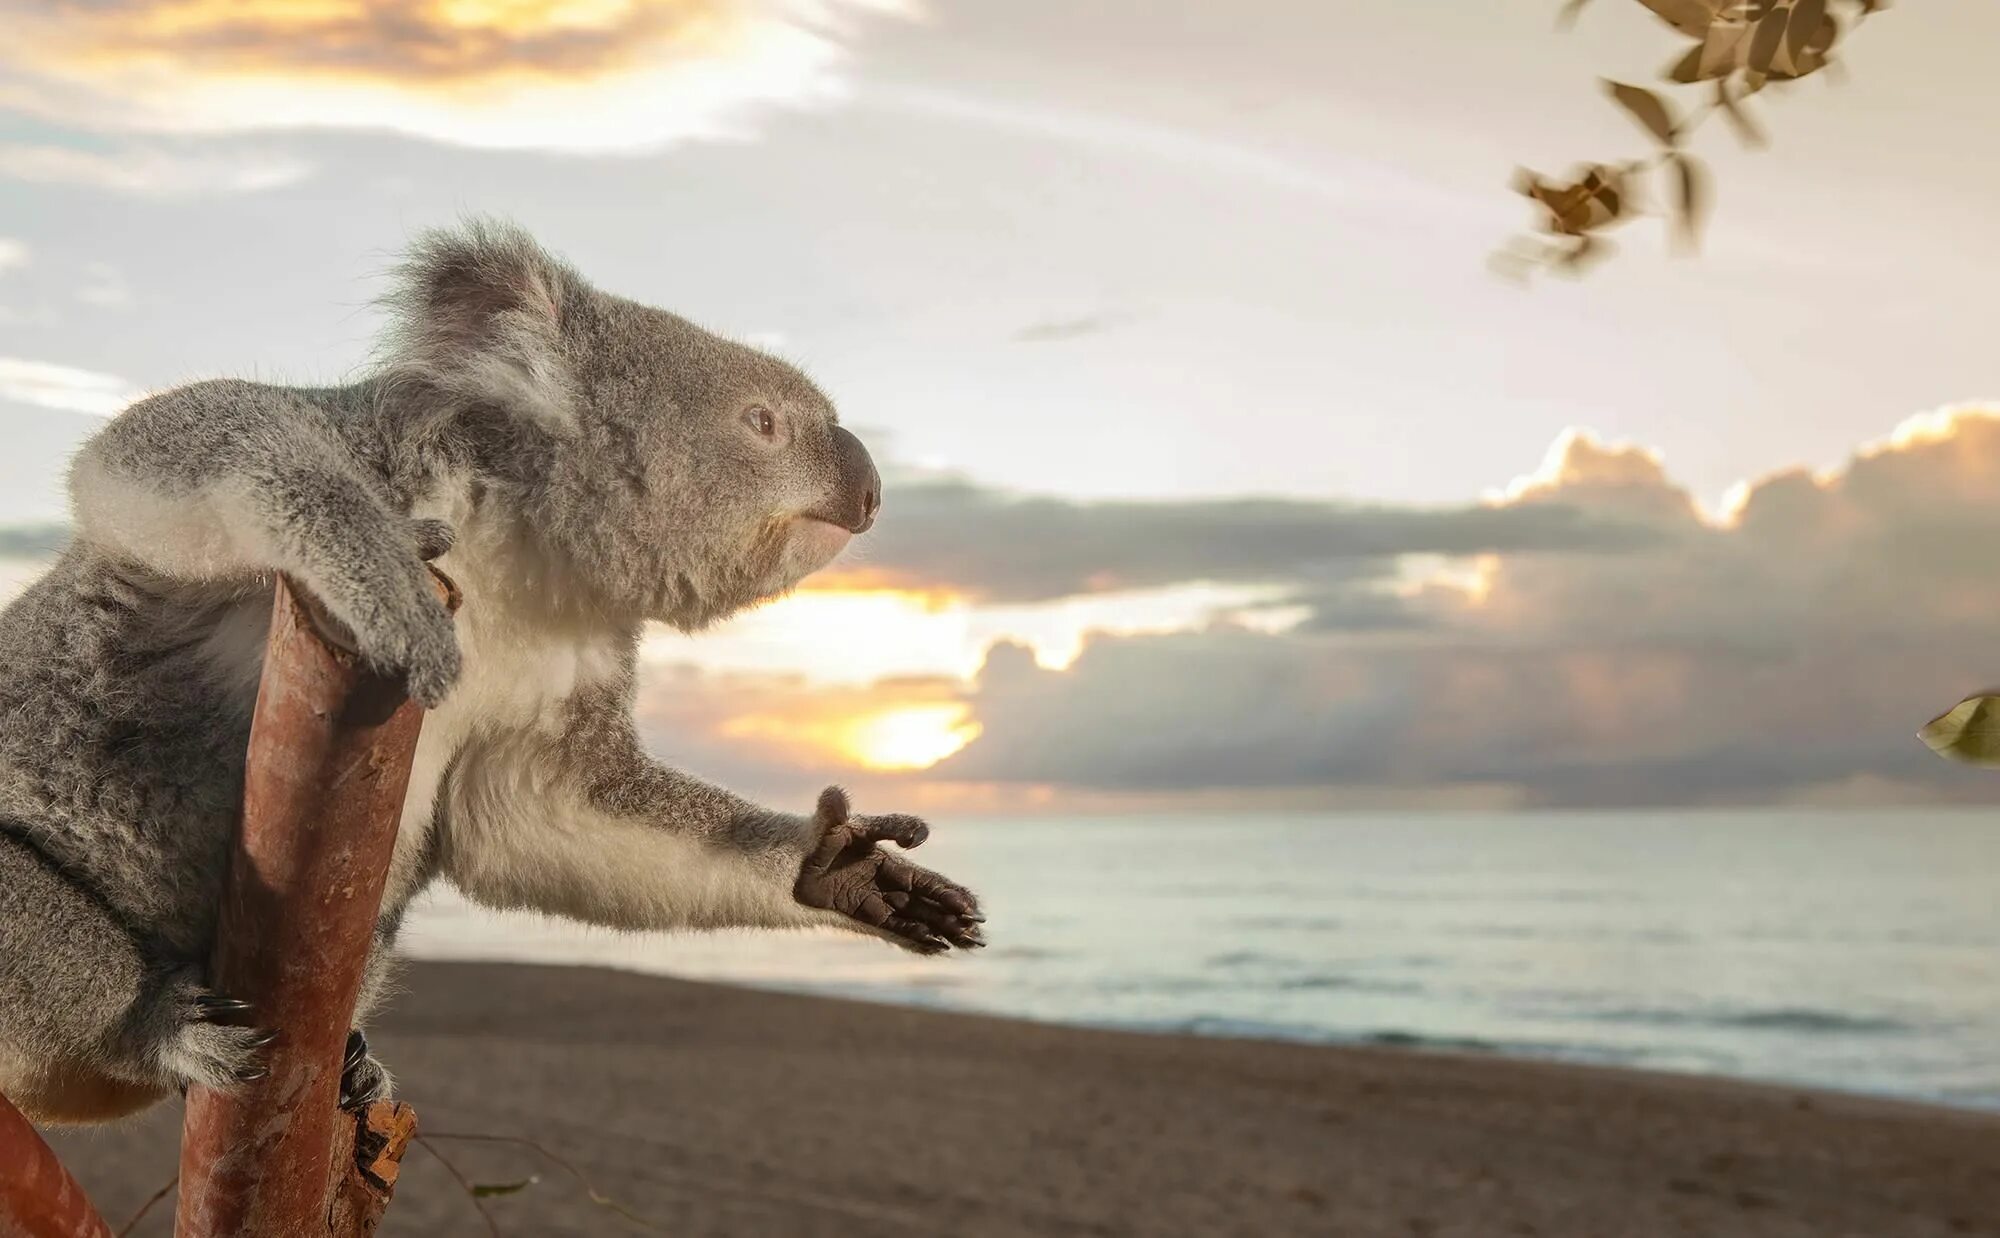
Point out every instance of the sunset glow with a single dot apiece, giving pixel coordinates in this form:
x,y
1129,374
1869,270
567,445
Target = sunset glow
x,y
902,737
914,738
841,636
545,74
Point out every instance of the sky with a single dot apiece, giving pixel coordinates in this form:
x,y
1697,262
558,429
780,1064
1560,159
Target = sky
x,y
1222,468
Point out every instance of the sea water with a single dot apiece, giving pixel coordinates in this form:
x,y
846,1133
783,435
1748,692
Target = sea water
x,y
1856,951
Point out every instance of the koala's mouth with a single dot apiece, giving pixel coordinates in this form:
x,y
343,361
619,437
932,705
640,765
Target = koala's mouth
x,y
853,526
827,537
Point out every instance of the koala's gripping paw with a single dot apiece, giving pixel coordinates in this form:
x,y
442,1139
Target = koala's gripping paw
x,y
402,627
363,1080
849,873
212,1044
409,638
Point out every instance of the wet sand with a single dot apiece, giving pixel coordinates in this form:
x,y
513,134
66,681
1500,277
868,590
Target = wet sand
x,y
720,1111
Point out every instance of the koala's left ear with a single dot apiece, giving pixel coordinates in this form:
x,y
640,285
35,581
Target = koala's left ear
x,y
478,312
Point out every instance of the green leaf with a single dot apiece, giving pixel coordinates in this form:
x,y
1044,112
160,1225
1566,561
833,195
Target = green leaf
x,y
1969,731
1648,109
487,1190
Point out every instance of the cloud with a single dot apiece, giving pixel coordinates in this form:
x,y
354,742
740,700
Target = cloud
x,y
1052,330
959,537
577,75
105,287
1784,651
13,255
63,388
151,171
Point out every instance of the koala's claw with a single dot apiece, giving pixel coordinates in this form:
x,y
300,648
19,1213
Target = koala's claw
x,y
850,873
215,1008
213,1045
357,1050
435,538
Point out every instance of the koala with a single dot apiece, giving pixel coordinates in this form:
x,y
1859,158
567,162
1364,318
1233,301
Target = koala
x,y
581,465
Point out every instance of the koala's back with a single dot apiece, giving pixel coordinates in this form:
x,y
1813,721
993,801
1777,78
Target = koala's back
x,y
125,705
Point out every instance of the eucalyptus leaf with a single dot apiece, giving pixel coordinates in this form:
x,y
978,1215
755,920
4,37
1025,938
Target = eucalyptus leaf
x,y
1687,16
1808,16
1694,198
1739,120
1648,109
1969,731
487,1190
1764,43
1723,49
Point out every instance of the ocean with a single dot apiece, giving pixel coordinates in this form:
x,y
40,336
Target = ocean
x,y
1846,950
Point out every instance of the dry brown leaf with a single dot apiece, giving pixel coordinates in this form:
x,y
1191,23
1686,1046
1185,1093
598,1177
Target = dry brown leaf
x,y
1690,17
1739,120
1804,28
1648,109
1694,197
1764,44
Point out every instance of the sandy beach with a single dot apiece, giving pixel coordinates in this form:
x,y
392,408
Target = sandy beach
x,y
718,1111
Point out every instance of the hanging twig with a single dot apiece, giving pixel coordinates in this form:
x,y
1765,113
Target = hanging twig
x,y
148,1206
590,1190
471,1191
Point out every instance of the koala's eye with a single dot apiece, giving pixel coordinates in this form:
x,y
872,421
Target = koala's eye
x,y
762,421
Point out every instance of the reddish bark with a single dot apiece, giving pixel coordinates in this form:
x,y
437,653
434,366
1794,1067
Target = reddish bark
x,y
38,1198
330,753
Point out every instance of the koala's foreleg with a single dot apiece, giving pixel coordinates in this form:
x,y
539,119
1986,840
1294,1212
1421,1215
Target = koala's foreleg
x,y
632,845
589,827
223,481
90,1027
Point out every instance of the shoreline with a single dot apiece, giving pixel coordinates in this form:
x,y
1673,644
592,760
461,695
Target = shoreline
x,y
1208,1027
720,1110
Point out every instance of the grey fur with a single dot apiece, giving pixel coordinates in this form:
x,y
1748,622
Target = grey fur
x,y
599,464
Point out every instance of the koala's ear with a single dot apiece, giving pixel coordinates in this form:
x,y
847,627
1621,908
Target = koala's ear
x,y
478,312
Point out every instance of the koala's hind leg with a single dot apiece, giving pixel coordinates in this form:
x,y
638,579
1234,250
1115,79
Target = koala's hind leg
x,y
90,1029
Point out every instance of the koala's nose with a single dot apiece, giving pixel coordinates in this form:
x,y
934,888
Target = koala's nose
x,y
860,496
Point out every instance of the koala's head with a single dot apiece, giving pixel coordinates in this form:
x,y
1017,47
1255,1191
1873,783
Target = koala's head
x,y
674,474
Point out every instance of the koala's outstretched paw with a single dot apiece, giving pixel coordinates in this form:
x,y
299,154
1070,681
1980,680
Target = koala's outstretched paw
x,y
213,1045
363,1080
851,874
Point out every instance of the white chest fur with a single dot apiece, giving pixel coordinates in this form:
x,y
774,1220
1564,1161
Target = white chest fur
x,y
517,677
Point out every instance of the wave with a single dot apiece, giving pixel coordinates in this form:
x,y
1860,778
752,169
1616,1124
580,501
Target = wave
x,y
1776,1019
1416,1040
1355,984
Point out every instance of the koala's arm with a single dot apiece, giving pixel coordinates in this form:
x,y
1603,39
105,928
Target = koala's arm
x,y
227,480
585,825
